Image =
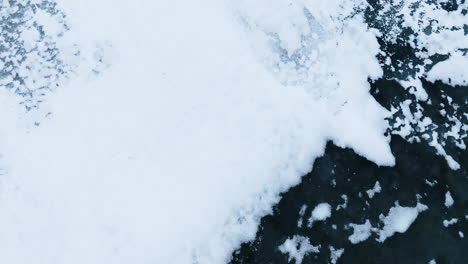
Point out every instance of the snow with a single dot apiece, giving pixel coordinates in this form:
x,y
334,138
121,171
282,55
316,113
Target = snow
x,y
301,215
335,254
450,222
398,220
297,248
360,232
433,31
448,200
374,190
320,213
179,124
344,204
452,71
441,151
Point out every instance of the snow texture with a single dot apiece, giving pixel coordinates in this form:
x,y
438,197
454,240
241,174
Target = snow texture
x,y
448,200
122,120
452,71
320,213
374,190
433,31
360,232
172,110
344,204
297,248
301,215
335,254
450,222
398,220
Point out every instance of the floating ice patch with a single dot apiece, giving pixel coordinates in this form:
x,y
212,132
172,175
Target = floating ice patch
x,y
450,222
452,71
398,220
301,215
374,190
335,254
448,200
344,204
297,248
320,213
360,232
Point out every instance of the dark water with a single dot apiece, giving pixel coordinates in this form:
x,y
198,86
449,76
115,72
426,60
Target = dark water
x,y
342,172
426,239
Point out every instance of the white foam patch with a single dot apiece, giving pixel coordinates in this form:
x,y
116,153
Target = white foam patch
x,y
181,145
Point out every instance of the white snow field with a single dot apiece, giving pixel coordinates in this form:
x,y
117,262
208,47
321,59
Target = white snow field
x,y
196,119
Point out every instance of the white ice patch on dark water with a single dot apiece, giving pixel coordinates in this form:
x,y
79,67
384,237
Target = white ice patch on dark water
x,y
435,31
335,254
448,199
398,220
452,71
450,222
361,232
344,205
374,190
320,213
297,248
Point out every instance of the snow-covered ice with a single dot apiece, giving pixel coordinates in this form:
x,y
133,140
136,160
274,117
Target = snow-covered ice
x,y
173,134
398,220
320,213
452,71
301,215
167,129
374,190
297,248
335,254
450,222
448,199
361,232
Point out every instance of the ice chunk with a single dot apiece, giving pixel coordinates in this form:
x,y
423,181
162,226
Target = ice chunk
x,y
374,190
452,71
320,213
450,222
297,248
361,232
301,215
335,254
344,204
448,199
398,220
